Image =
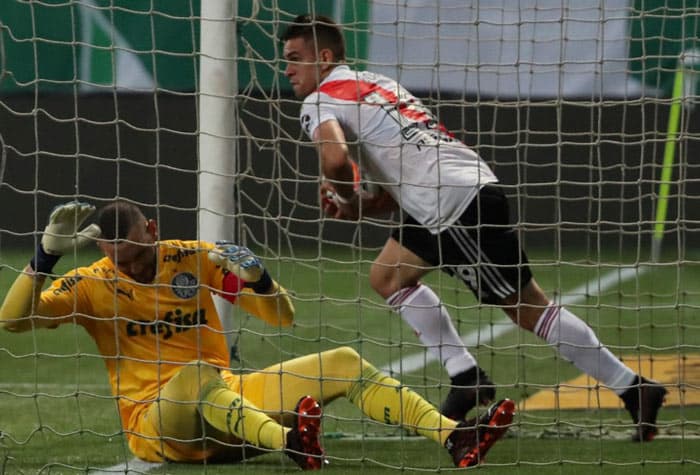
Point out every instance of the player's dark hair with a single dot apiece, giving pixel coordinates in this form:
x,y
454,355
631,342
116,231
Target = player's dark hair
x,y
319,28
116,219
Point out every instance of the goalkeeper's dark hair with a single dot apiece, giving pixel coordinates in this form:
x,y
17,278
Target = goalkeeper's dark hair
x,y
116,219
321,29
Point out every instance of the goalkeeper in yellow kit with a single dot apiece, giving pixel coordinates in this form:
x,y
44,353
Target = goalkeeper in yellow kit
x,y
148,306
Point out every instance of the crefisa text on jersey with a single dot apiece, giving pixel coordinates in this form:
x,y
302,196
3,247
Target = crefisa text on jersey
x,y
172,322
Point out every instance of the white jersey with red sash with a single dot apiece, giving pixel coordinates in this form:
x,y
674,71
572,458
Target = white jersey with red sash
x,y
400,144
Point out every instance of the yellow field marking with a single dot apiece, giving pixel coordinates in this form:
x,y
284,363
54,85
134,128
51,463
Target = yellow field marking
x,y
680,374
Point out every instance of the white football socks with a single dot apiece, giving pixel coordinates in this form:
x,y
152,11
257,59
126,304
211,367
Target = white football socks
x,y
420,308
576,342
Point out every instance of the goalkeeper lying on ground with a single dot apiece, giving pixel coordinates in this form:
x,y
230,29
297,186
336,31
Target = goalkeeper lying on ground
x,y
148,306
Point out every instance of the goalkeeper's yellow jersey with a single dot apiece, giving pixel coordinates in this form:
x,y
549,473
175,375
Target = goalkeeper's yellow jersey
x,y
145,332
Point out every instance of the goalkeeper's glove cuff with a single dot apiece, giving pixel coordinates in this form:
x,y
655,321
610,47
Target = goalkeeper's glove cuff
x,y
42,262
263,285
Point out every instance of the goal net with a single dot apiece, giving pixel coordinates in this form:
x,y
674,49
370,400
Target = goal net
x,y
586,111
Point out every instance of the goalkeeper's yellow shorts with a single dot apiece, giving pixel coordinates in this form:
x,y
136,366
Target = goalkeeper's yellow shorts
x,y
262,389
146,443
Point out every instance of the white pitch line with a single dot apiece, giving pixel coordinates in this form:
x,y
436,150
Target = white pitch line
x,y
64,388
488,333
133,466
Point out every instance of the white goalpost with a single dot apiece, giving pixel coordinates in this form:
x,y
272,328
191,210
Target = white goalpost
x,y
585,110
218,88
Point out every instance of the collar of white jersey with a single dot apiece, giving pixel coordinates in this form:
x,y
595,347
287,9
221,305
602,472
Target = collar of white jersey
x,y
341,68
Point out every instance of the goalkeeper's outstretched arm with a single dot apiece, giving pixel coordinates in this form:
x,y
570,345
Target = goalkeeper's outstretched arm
x,y
260,296
274,307
21,309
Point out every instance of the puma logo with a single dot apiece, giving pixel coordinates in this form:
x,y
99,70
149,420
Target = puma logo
x,y
128,293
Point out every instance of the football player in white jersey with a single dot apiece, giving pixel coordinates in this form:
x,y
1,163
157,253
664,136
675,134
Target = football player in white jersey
x,y
453,216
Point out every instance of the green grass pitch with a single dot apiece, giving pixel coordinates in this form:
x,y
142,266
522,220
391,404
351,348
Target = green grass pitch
x,y
57,415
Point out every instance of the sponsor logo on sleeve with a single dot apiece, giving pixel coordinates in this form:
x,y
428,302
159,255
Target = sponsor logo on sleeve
x,y
67,284
306,123
179,255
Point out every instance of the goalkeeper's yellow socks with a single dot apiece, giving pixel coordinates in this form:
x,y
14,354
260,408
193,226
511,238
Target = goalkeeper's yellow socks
x,y
385,399
230,412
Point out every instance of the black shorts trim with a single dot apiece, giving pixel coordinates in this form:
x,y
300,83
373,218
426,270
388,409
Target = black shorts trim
x,y
481,248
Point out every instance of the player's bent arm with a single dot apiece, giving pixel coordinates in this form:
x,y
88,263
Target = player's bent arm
x,y
21,307
378,205
274,307
334,154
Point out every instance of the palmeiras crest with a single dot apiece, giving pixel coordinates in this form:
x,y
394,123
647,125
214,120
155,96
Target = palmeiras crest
x,y
185,285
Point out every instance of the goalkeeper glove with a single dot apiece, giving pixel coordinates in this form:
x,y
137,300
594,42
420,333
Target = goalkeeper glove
x,y
61,235
243,263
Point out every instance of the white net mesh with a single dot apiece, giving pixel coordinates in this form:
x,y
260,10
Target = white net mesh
x,y
572,104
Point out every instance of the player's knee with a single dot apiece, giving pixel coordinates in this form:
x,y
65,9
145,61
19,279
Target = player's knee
x,y
198,370
345,356
382,280
523,316
526,306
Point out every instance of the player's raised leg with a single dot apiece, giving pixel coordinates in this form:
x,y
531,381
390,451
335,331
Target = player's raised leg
x,y
342,372
395,275
198,392
576,342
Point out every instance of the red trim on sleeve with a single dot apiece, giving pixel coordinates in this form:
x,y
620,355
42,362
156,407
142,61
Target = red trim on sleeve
x,y
355,90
